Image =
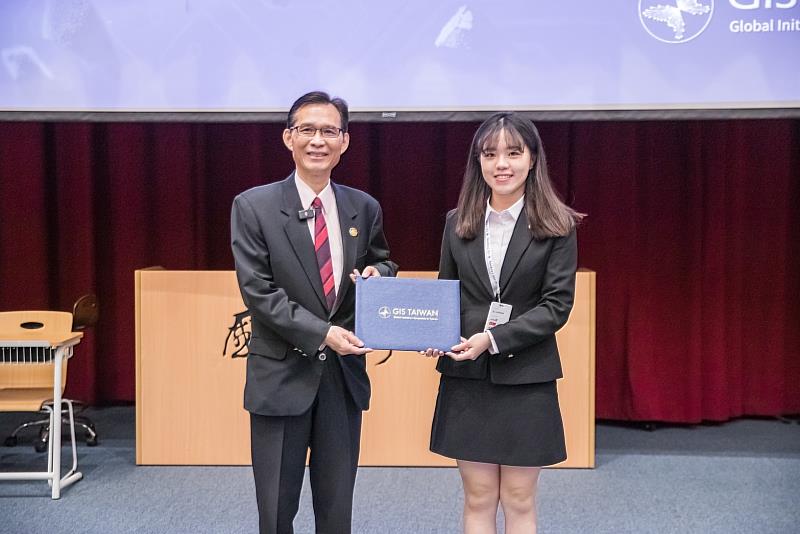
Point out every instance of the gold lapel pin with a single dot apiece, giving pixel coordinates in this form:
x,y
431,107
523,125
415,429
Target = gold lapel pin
x,y
353,231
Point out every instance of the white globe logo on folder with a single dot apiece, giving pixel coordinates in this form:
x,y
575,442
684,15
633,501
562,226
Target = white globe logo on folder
x,y
384,312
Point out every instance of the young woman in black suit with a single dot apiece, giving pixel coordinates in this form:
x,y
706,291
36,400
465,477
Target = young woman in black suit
x,y
511,243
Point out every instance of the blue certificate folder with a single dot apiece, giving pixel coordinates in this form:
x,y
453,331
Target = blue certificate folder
x,y
408,313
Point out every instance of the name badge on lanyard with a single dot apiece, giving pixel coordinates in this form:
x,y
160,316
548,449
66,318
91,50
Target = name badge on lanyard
x,y
499,313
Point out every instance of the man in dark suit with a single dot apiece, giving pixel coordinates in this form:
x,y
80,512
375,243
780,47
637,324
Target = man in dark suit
x,y
298,245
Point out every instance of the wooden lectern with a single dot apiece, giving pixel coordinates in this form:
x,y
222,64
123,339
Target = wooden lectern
x,y
191,329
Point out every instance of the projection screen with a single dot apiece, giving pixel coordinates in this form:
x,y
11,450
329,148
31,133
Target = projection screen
x,y
405,60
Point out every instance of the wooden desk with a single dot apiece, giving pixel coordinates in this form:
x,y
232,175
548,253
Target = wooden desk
x,y
34,363
189,388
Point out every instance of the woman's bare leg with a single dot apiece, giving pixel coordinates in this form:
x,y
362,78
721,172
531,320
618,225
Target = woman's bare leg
x,y
481,496
518,497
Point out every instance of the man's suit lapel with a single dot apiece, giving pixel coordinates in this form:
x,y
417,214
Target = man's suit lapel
x,y
477,257
348,218
299,237
520,241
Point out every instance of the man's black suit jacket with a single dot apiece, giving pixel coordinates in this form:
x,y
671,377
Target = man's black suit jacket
x,y
537,279
278,276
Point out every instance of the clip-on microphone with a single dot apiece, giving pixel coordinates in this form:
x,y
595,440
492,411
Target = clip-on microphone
x,y
306,214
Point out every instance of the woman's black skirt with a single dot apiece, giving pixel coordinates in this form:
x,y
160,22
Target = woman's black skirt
x,y
518,425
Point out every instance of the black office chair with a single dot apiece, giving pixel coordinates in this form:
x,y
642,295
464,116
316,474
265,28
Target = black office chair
x,y
84,315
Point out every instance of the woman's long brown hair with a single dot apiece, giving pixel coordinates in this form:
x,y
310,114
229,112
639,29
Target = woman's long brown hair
x,y
547,215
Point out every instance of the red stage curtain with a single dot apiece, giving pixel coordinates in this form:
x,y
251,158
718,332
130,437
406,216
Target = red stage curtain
x,y
690,228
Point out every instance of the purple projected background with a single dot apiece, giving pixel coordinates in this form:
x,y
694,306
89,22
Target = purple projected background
x,y
250,55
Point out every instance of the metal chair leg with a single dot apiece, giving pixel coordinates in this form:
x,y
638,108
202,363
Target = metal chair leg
x,y
90,432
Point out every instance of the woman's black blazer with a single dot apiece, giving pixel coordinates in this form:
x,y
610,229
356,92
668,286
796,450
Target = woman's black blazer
x,y
537,279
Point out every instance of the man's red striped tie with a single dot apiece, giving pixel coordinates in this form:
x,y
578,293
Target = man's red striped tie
x,y
323,249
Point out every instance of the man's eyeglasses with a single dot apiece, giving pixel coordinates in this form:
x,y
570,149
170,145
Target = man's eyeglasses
x,y
329,132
